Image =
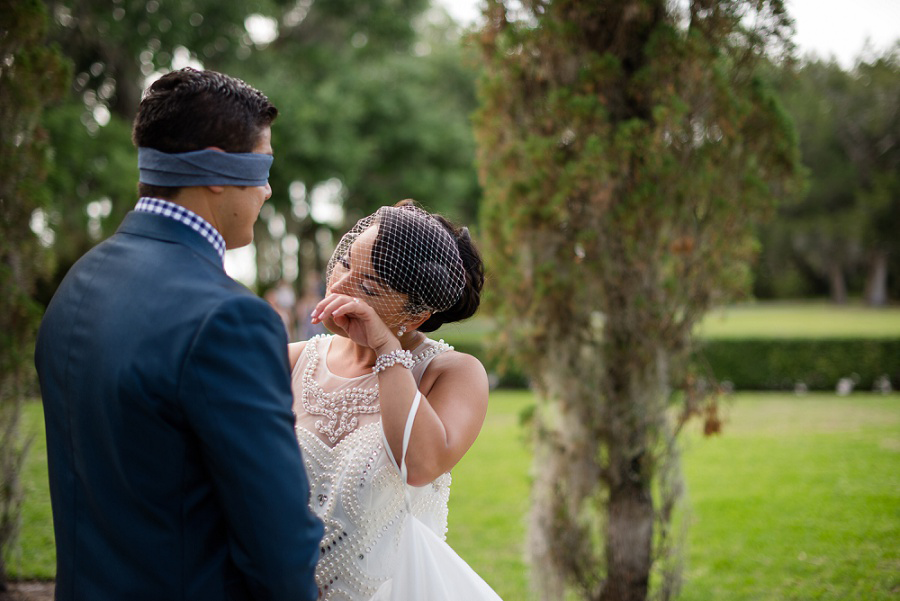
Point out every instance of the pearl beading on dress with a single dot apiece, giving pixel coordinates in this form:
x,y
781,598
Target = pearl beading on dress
x,y
434,349
339,408
342,408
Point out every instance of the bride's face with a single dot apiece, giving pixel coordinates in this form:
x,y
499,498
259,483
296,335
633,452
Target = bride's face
x,y
354,275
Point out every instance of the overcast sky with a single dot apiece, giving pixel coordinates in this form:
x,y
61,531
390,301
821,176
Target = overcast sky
x,y
828,28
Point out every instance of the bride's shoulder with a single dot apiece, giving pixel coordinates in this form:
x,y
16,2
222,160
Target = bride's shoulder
x,y
455,364
452,377
295,349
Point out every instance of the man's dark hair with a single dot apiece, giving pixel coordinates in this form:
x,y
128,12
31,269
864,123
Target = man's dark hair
x,y
191,110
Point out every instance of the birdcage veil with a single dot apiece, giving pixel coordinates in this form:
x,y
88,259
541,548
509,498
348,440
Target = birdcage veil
x,y
404,250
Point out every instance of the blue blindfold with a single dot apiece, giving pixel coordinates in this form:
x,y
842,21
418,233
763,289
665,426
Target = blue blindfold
x,y
203,168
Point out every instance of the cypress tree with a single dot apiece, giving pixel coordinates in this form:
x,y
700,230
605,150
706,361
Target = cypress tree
x,y
626,149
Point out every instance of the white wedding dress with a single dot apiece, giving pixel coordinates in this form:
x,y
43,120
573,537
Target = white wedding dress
x,y
383,539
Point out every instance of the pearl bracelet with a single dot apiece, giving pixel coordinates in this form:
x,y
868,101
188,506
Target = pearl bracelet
x,y
387,360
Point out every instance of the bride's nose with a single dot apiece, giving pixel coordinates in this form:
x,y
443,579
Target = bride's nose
x,y
340,284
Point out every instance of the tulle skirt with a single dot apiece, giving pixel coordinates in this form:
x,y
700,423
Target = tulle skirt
x,y
429,569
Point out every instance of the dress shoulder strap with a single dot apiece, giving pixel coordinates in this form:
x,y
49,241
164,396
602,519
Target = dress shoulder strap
x,y
407,432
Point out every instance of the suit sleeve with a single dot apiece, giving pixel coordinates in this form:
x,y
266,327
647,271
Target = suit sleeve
x,y
237,396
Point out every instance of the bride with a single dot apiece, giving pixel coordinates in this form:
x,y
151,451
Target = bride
x,y
384,412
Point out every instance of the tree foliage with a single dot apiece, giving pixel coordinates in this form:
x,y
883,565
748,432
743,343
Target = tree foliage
x,y
115,47
374,101
31,76
372,116
626,149
842,231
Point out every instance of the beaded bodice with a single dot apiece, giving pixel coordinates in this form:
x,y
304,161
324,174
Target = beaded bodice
x,y
355,485
341,407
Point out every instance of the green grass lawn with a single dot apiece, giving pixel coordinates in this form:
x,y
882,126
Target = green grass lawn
x,y
36,556
798,499
489,498
801,320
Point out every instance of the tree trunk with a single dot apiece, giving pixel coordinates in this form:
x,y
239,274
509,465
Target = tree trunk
x,y
876,283
637,375
630,535
548,575
838,284
630,514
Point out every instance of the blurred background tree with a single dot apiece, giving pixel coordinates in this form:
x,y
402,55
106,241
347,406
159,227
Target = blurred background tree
x,y
32,75
115,47
374,101
376,111
626,151
841,236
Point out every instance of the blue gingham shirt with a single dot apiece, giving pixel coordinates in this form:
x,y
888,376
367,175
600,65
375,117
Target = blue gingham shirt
x,y
158,206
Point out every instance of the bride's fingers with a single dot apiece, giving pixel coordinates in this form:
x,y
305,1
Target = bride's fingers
x,y
353,307
322,310
333,303
320,306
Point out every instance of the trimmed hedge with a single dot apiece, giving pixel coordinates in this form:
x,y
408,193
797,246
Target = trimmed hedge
x,y
767,364
779,364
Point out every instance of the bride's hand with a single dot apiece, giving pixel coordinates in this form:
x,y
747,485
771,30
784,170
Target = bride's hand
x,y
356,318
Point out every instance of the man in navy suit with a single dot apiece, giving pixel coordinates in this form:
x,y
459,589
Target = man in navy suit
x,y
174,469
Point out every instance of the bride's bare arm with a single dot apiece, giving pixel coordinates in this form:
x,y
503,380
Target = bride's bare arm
x,y
454,405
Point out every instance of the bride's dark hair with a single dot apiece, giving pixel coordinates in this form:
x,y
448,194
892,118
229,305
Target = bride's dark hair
x,y
414,276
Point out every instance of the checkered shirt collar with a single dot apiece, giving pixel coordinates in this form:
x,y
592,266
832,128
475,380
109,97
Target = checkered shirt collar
x,y
158,206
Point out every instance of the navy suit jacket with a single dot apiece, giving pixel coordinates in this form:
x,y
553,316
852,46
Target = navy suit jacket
x,y
174,469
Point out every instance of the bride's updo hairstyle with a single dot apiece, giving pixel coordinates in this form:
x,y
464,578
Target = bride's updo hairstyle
x,y
423,256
